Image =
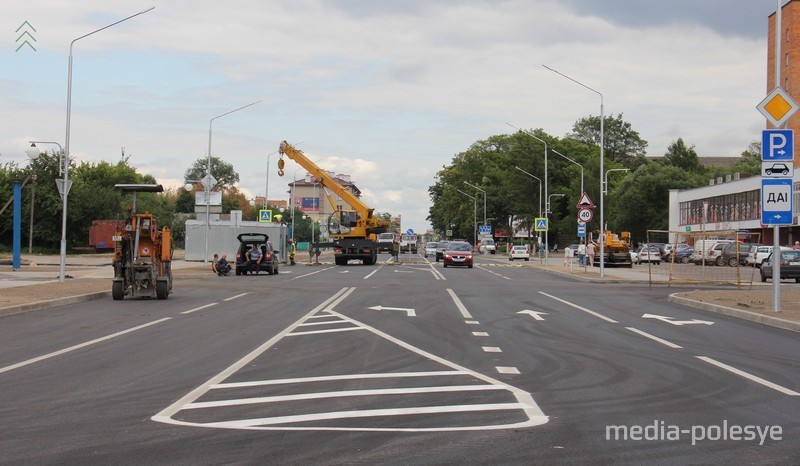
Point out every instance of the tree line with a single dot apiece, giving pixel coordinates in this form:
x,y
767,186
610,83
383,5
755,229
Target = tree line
x,y
636,200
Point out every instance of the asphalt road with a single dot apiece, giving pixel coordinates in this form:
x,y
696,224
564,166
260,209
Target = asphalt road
x,y
397,364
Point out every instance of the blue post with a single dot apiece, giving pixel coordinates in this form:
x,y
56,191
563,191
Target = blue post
x,y
17,225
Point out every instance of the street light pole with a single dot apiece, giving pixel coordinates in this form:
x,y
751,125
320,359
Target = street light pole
x,y
605,178
602,148
33,154
576,163
474,215
547,204
208,176
539,238
484,199
65,187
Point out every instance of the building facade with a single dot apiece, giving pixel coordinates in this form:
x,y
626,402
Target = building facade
x,y
309,197
733,203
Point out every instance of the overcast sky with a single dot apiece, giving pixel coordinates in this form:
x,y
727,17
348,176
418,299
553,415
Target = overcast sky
x,y
386,91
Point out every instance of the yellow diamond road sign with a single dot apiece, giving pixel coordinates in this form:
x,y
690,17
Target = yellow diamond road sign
x,y
778,107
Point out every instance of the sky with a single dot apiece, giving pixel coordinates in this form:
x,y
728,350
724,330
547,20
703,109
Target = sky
x,y
385,91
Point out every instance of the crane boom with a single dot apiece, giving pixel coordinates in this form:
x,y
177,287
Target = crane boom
x,y
357,241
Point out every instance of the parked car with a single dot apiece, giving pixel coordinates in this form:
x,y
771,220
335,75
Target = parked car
x,y
669,248
682,255
762,252
790,266
440,250
430,248
458,253
703,250
735,254
649,254
269,261
519,251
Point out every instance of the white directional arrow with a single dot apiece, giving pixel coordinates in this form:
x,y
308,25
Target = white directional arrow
x,y
535,314
670,320
410,312
403,271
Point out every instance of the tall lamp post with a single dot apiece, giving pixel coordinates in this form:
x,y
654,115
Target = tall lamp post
x,y
33,154
602,148
547,204
484,199
540,205
66,183
474,215
266,189
209,177
576,163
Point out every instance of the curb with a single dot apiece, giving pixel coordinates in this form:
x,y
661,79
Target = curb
x,y
738,313
37,306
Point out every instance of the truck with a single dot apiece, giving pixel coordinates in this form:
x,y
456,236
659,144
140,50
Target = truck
x,y
101,234
408,243
354,231
616,248
385,241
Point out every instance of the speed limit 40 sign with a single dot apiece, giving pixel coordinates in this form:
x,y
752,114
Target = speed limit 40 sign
x,y
585,215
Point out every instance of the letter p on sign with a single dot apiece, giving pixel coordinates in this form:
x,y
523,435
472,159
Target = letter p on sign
x,y
777,144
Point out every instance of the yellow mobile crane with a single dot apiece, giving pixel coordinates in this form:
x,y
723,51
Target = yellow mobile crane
x,y
354,231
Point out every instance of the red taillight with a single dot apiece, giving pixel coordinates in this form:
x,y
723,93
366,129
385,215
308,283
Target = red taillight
x,y
337,250
238,257
268,256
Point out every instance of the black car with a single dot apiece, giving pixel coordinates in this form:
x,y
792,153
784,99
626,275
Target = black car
x,y
269,261
790,266
440,249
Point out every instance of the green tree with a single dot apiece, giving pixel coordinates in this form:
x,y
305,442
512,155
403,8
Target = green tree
x,y
750,162
680,156
224,173
622,143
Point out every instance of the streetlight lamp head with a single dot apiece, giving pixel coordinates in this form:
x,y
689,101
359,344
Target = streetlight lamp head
x,y
188,186
32,152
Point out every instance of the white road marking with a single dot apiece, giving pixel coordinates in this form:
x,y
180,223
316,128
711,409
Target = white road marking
x,y
330,330
438,275
312,273
271,421
601,316
410,312
492,349
493,273
328,378
480,334
472,322
524,401
670,320
82,345
199,308
459,305
749,376
507,370
537,315
654,338
342,394
234,297
373,272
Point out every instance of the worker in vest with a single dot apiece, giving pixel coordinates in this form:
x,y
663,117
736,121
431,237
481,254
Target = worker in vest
x,y
292,251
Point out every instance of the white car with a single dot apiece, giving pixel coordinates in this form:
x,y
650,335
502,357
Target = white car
x,y
488,246
521,251
430,248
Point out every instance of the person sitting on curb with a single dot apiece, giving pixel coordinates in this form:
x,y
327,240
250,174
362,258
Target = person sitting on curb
x,y
214,264
223,266
254,259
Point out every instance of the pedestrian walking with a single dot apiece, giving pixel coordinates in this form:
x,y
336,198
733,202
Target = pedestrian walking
x,y
590,252
582,253
567,256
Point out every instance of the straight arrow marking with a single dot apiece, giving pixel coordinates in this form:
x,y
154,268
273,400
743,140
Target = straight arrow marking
x,y
537,315
410,312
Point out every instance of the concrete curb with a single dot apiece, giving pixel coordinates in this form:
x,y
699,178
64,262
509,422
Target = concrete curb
x,y
37,306
738,313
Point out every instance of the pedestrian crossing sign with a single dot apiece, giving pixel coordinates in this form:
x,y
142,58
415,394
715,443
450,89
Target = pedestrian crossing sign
x,y
264,215
540,224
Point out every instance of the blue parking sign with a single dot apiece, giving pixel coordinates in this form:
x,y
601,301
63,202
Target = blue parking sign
x,y
777,144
